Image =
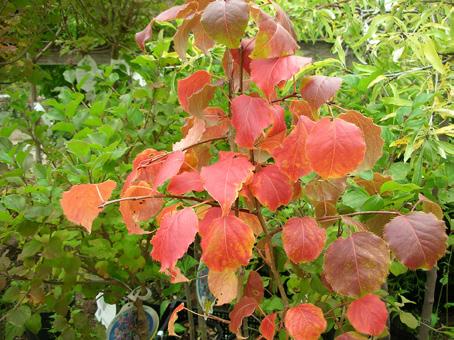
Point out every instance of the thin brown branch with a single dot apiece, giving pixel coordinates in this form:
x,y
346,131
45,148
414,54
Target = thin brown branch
x,y
291,95
209,316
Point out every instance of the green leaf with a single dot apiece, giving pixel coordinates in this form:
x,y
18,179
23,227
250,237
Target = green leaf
x,y
31,248
408,319
80,148
397,268
18,317
34,323
394,186
14,202
430,52
64,127
12,294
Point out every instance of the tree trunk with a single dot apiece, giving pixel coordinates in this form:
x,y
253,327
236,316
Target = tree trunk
x,y
426,314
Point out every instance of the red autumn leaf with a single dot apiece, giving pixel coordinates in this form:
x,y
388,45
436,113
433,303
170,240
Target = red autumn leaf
x,y
303,239
305,322
418,239
226,21
368,315
268,326
372,137
185,182
291,156
217,123
357,264
193,136
173,318
272,40
224,179
351,336
248,46
176,232
243,308
250,116
223,285
317,90
335,148
80,203
170,166
143,36
175,275
202,39
276,134
268,73
177,12
283,19
136,211
195,92
271,187
180,39
302,108
252,221
226,241
254,287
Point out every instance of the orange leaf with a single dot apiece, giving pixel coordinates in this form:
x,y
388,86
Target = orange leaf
x,y
303,239
305,322
368,315
317,90
335,148
173,318
268,326
223,285
80,203
195,92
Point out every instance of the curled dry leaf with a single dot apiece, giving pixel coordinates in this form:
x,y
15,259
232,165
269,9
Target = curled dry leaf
x,y
173,318
368,315
357,265
80,204
223,285
303,239
335,148
305,322
418,239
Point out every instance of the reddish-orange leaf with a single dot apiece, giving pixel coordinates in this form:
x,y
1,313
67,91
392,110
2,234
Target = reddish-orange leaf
x,y
180,39
429,206
143,36
176,276
283,19
317,90
418,239
373,186
305,322
252,221
177,12
136,211
268,326
247,46
226,241
335,148
250,116
372,137
185,182
243,308
268,73
357,265
291,156
176,232
368,315
223,285
173,318
193,136
226,21
302,108
201,38
303,239
224,179
271,187
276,134
272,40
254,287
80,203
195,92
217,123
171,165
351,336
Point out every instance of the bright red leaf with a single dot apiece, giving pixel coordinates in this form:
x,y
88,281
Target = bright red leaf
x,y
357,265
80,203
250,116
268,73
185,182
291,156
335,148
302,108
372,137
173,318
303,239
305,322
195,92
272,40
276,134
268,326
368,315
224,179
254,287
136,211
317,90
226,241
170,166
243,308
223,285
226,21
271,187
418,239
176,232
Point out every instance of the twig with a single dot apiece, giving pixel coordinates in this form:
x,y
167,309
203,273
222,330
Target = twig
x,y
209,316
